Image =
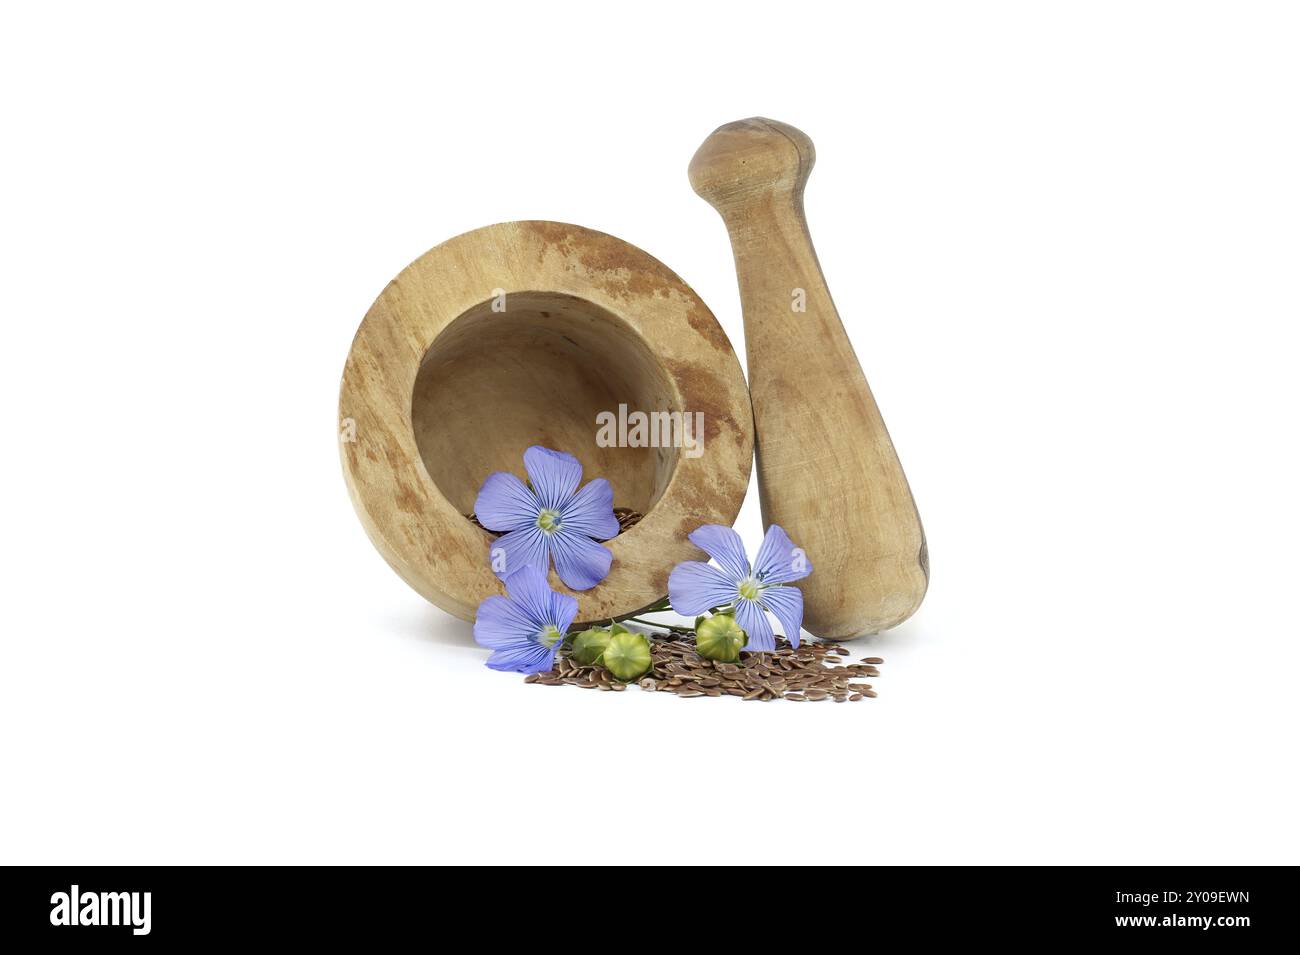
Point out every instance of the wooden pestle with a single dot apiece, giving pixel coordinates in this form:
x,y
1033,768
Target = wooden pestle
x,y
827,470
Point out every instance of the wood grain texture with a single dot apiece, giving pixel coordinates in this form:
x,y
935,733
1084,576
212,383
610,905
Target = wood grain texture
x,y
441,390
827,469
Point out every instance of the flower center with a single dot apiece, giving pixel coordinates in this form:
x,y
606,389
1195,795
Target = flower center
x,y
749,588
549,636
548,520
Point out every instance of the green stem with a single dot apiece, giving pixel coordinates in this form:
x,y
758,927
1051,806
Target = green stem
x,y
659,606
649,623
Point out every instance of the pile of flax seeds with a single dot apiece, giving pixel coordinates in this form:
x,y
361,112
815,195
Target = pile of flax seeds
x,y
811,673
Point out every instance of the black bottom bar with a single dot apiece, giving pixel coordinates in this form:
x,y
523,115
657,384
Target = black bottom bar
x,y
142,906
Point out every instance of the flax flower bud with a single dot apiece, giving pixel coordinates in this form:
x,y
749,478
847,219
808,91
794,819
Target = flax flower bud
x,y
589,646
719,637
628,654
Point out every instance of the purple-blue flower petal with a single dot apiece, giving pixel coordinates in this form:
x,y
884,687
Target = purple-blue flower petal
x,y
554,474
563,609
786,604
590,512
694,587
530,592
504,503
725,546
518,549
501,623
580,561
753,620
526,657
779,561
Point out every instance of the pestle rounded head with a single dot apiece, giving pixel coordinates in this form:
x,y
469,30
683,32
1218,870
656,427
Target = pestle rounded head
x,y
751,158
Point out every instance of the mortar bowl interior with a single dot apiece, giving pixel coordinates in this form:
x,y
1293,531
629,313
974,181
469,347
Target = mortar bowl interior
x,y
541,371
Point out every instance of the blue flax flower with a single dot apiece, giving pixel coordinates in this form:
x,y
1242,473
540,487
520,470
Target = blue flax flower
x,y
694,586
552,519
525,629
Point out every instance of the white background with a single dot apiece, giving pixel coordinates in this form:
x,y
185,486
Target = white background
x,y
1064,240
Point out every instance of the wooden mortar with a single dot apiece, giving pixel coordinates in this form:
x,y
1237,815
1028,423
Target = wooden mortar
x,y
442,387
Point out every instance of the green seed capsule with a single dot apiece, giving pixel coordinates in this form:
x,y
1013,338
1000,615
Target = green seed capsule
x,y
628,655
719,637
589,646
